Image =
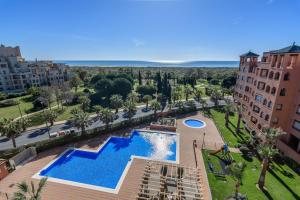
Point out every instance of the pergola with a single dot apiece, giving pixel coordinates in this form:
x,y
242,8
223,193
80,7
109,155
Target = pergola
x,y
170,181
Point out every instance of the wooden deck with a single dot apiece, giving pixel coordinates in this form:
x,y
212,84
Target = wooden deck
x,y
130,185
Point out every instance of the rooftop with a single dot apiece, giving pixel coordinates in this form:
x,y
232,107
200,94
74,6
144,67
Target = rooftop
x,y
290,49
249,54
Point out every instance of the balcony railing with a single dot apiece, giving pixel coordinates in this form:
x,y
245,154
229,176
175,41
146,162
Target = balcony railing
x,y
288,151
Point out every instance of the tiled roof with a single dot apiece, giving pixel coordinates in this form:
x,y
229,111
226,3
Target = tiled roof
x,y
290,49
249,54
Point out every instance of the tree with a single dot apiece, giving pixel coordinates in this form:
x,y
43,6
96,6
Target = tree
x,y
26,192
140,78
239,113
129,109
159,85
80,119
146,99
198,94
106,116
155,106
85,102
10,128
187,91
267,151
146,90
49,116
82,74
122,87
228,109
97,109
24,123
46,96
176,94
229,81
237,171
203,102
2,96
215,96
75,82
104,88
116,102
132,97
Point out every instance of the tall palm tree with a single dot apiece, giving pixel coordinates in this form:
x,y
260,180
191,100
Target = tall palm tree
x,y
198,94
49,116
203,102
132,97
98,109
187,91
80,119
106,116
10,128
129,109
146,99
237,171
29,192
215,96
267,151
116,102
155,105
239,113
228,109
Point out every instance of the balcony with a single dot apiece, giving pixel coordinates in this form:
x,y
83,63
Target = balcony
x,y
288,151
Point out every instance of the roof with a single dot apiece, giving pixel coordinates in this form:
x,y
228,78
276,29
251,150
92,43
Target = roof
x,y
249,54
290,49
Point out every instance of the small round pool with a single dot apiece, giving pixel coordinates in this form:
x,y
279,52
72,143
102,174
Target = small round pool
x,y
194,123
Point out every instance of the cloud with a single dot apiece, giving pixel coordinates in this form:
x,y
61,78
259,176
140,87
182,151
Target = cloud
x,y
138,42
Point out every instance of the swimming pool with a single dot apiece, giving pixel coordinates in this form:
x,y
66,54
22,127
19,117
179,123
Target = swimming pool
x,y
105,168
194,123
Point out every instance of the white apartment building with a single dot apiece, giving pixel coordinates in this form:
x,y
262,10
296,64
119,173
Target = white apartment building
x,y
16,74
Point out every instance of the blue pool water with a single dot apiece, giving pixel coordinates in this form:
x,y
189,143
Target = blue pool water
x,y
104,168
194,123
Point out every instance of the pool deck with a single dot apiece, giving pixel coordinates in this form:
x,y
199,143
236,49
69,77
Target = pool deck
x,y
129,188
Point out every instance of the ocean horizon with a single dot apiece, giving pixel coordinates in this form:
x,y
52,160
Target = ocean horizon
x,y
135,63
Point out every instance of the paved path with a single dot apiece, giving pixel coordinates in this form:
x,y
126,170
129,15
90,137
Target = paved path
x,y
40,133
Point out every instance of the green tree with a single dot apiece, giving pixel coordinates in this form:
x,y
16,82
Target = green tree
x,y
116,102
146,100
146,90
198,94
50,116
203,102
129,109
80,119
155,106
85,102
106,116
215,96
159,85
10,128
98,109
29,192
122,87
267,151
237,171
132,97
75,82
239,113
104,88
176,94
140,78
187,91
228,109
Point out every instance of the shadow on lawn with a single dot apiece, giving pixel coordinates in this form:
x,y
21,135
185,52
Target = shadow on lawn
x,y
284,184
267,194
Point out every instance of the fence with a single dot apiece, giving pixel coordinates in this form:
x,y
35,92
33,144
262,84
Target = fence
x,y
22,157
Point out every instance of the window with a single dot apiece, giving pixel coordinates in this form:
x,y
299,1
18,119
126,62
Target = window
x,y
273,91
258,98
259,126
298,109
270,104
261,85
271,75
278,106
282,92
253,119
262,115
256,109
265,102
296,125
268,89
275,120
286,76
264,73
267,117
277,75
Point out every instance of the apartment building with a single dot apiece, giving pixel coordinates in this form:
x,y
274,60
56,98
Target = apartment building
x,y
16,74
269,94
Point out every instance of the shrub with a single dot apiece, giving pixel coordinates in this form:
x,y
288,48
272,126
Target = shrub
x,y
244,149
8,102
2,96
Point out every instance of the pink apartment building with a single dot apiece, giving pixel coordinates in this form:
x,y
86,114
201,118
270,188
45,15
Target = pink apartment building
x,y
269,93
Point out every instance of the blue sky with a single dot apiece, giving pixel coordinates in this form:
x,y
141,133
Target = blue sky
x,y
148,29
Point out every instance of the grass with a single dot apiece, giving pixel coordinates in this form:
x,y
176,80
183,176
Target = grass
x,y
13,111
281,182
228,133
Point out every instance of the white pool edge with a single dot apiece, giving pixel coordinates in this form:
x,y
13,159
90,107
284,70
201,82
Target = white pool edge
x,y
122,178
184,123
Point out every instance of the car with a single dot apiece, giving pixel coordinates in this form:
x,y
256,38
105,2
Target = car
x,y
53,134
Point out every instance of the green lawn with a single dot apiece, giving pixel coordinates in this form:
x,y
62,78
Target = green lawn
x,y
282,182
13,111
228,134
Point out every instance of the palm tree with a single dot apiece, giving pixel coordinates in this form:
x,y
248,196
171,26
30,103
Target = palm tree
x,y
106,116
80,119
228,109
215,96
49,116
203,102
146,99
187,91
27,192
85,102
176,95
267,151
237,171
132,97
129,109
155,105
116,102
97,109
24,123
239,113
198,94
10,128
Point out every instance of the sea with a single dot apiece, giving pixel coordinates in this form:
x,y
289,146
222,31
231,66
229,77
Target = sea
x,y
134,63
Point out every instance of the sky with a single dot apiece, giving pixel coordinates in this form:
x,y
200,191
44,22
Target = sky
x,y
153,30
